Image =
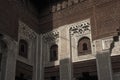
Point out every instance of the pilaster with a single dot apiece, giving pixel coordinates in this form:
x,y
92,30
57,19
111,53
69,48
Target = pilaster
x,y
65,56
8,64
11,62
104,69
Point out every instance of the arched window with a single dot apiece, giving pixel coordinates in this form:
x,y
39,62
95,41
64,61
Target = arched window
x,y
84,46
23,48
54,52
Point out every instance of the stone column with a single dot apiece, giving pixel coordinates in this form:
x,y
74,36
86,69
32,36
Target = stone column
x,y
36,52
10,62
38,60
104,69
65,56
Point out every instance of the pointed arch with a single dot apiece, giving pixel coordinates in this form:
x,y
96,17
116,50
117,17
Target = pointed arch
x,y
84,46
54,52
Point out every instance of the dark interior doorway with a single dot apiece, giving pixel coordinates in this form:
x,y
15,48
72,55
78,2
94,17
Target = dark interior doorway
x,y
85,70
23,71
87,76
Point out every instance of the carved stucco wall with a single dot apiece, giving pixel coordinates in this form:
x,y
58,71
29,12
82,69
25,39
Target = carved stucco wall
x,y
79,30
74,32
49,39
27,34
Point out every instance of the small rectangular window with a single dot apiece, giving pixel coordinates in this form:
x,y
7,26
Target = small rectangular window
x,y
53,53
23,48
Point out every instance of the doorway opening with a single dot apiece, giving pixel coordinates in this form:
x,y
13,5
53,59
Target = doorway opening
x,y
23,71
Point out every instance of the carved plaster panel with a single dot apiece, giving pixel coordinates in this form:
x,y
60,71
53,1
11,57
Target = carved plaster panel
x,y
80,28
25,31
51,36
49,39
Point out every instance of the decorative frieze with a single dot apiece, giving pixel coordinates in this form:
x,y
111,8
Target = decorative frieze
x,y
51,36
26,31
80,29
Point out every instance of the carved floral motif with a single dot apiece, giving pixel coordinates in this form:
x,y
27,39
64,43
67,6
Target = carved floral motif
x,y
51,36
80,29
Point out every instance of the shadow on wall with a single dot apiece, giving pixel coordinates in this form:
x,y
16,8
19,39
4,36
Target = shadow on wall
x,y
85,70
46,18
8,19
66,69
63,70
3,56
23,71
112,45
